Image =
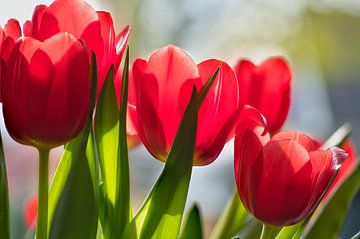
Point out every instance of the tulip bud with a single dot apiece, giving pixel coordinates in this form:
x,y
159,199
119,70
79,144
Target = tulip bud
x,y
267,88
281,180
95,28
46,90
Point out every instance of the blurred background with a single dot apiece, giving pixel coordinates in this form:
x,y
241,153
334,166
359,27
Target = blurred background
x,y
321,40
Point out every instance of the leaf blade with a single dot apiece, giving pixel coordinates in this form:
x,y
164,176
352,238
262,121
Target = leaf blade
x,y
192,227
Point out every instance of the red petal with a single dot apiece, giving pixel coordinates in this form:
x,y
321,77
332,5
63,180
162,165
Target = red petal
x,y
346,168
121,42
325,163
70,88
12,29
27,28
217,114
167,72
250,118
266,88
71,16
308,143
100,38
247,150
285,183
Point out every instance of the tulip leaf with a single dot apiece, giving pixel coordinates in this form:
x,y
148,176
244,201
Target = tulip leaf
x,y
72,198
122,210
107,135
161,214
325,224
4,197
192,227
232,219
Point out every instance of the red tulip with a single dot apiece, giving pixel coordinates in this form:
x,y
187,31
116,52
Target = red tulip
x,y
30,212
163,87
81,20
267,88
281,180
47,90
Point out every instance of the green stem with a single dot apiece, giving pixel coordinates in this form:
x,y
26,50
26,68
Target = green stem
x,y
41,226
267,232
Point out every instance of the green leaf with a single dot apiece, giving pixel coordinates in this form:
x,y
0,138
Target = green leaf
x,y
4,196
107,135
232,219
192,227
75,214
161,214
122,210
329,220
288,232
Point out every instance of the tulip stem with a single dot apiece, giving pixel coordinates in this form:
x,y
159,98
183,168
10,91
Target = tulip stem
x,y
267,232
41,226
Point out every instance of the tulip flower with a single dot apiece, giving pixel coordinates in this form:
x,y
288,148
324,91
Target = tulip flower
x,y
46,100
163,86
267,88
82,21
281,180
47,90
30,212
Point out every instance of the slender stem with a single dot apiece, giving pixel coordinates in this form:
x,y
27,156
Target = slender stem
x,y
41,226
267,232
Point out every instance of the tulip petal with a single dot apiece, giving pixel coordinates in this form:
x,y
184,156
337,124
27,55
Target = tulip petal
x,y
121,42
347,167
12,29
250,118
248,149
285,170
308,143
27,28
325,164
217,114
70,89
159,97
70,16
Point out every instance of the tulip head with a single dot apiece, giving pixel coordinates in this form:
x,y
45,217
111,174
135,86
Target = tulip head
x,y
46,90
267,88
163,87
95,28
281,180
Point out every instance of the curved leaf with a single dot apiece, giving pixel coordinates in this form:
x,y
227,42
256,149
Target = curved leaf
x,y
192,227
161,214
232,219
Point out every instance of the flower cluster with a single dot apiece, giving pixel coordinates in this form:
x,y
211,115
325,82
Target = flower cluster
x,y
45,80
